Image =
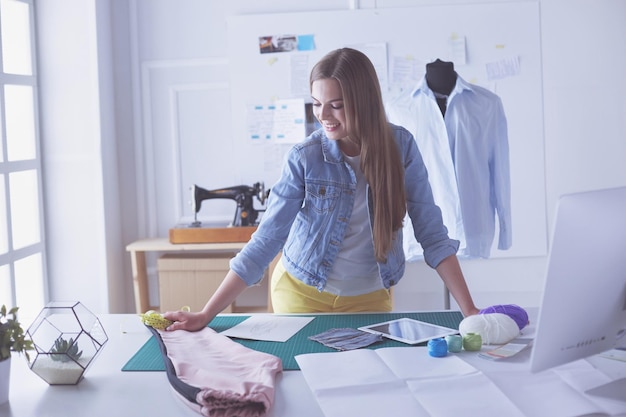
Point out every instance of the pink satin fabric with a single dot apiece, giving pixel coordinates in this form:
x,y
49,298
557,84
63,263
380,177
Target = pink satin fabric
x,y
234,380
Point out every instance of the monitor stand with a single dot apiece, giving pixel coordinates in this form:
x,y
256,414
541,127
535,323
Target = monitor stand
x,y
615,390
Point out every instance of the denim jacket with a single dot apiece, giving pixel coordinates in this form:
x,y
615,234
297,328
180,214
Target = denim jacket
x,y
309,208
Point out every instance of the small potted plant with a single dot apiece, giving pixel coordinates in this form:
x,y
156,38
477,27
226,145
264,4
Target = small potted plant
x,y
12,339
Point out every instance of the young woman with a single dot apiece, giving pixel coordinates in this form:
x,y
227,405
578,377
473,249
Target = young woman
x,y
337,210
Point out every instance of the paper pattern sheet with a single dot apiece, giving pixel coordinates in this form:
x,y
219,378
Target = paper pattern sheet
x,y
566,401
407,382
268,327
399,382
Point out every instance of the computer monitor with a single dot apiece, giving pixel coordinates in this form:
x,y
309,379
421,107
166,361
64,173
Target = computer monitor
x,y
583,309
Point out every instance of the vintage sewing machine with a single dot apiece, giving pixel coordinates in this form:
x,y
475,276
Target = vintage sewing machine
x,y
244,222
243,195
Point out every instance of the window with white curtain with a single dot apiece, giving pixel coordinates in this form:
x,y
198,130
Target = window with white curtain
x,y
22,250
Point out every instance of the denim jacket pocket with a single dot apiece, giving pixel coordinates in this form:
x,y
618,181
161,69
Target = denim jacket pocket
x,y
322,197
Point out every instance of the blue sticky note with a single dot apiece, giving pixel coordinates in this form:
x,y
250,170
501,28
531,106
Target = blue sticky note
x,y
306,43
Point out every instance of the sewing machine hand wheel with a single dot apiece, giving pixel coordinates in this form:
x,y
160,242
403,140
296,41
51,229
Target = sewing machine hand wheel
x,y
261,193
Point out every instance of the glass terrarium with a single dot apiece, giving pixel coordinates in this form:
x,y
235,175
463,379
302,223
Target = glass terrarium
x,y
67,338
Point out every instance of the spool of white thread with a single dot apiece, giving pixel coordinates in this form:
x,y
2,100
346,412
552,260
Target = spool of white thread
x,y
493,328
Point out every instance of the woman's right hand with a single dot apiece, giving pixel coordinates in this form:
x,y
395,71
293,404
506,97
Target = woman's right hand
x,y
186,320
224,296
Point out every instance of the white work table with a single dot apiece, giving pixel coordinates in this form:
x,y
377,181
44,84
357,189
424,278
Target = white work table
x,y
107,391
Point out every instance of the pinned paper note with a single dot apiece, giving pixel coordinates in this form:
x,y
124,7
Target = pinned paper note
x,y
507,67
457,49
306,43
282,121
286,43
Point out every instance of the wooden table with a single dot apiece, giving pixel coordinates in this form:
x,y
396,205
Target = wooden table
x,y
138,251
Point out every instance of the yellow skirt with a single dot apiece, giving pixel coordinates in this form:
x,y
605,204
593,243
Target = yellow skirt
x,y
290,295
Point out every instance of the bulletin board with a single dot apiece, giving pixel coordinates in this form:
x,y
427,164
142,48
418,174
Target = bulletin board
x,y
496,46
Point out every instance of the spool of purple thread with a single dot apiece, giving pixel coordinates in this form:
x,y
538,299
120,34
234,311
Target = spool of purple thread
x,y
438,347
517,313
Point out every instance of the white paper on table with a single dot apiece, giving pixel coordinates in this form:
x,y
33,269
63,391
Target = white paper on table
x,y
463,395
357,383
397,382
331,370
416,363
565,384
375,400
583,376
268,327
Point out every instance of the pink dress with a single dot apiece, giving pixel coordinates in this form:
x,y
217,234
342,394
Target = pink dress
x,y
216,376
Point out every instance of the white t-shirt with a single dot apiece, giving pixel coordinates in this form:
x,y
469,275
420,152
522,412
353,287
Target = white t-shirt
x,y
355,270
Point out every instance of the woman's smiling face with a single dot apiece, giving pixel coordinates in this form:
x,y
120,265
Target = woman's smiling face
x,y
328,107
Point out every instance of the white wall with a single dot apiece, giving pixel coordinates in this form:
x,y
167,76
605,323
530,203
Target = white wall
x,y
71,133
97,169
79,155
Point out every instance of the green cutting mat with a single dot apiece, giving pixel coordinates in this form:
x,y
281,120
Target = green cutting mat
x,y
148,358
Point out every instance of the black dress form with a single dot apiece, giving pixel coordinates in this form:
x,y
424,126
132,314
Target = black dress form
x,y
441,79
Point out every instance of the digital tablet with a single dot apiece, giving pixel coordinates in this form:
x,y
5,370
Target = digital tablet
x,y
408,330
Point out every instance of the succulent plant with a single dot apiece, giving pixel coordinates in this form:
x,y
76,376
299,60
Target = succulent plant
x,y
65,350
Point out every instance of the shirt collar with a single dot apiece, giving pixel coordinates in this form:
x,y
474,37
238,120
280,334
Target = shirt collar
x,y
330,149
460,86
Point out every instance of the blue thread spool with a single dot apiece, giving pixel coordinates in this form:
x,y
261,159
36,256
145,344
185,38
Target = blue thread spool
x,y
438,347
455,343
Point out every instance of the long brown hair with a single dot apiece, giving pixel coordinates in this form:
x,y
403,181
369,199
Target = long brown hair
x,y
368,127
